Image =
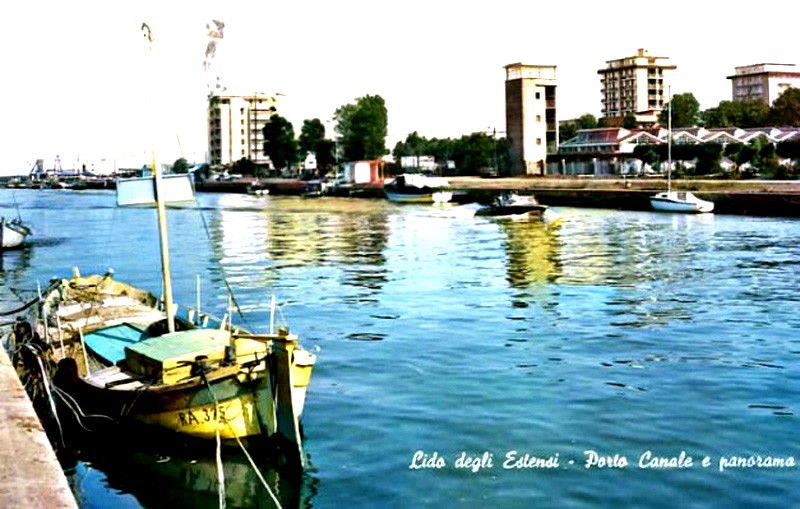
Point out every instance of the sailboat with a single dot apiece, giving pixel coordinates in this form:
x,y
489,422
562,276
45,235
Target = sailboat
x,y
125,354
677,201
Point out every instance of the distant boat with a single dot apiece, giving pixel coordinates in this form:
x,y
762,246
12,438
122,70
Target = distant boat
x,y
513,205
13,233
677,201
680,201
417,188
258,189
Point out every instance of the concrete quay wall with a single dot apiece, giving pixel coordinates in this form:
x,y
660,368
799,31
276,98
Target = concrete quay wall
x,y
30,473
755,198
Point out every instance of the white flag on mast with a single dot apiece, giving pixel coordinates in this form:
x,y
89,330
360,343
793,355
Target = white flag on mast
x,y
140,191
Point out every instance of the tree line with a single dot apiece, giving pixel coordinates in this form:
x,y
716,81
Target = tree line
x,y
685,111
360,131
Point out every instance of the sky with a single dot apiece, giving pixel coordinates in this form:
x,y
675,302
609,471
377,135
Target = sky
x,y
79,83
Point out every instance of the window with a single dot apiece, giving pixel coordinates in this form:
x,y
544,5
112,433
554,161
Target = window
x,y
538,141
538,118
538,95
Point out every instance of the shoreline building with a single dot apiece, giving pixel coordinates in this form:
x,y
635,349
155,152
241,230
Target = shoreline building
x,y
763,82
236,127
531,122
637,85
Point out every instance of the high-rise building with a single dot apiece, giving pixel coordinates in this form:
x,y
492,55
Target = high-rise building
x,y
531,123
763,82
236,127
636,85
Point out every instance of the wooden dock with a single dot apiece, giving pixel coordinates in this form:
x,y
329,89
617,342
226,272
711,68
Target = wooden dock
x,y
30,474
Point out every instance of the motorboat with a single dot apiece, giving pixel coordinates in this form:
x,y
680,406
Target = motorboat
x,y
12,233
512,204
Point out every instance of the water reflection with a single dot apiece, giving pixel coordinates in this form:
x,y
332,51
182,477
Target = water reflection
x,y
626,248
190,476
532,252
13,264
262,235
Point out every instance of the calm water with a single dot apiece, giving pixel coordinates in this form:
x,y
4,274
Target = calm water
x,y
439,333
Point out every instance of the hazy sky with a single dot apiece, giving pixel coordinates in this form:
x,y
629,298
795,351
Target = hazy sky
x,y
76,82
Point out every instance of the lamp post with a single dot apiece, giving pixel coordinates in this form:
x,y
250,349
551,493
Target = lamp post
x,y
494,138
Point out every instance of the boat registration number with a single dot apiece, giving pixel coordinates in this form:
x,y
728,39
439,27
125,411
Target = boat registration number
x,y
200,416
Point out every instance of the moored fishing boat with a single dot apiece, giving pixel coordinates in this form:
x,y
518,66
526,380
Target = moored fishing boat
x,y
118,358
121,353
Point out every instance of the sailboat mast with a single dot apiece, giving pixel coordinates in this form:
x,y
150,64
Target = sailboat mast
x,y
161,212
669,139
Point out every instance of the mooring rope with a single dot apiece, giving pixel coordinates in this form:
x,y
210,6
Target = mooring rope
x,y
241,446
21,308
77,411
50,399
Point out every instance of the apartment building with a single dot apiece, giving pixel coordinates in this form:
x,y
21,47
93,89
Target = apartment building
x,y
763,82
236,127
637,84
531,122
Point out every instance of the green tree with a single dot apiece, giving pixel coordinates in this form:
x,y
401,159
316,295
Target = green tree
x,y
362,127
311,134
648,154
326,154
475,152
629,122
785,109
244,166
747,113
180,166
312,139
685,111
279,142
708,158
569,128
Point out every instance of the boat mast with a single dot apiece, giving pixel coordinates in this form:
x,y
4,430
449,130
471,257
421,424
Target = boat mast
x,y
161,212
669,139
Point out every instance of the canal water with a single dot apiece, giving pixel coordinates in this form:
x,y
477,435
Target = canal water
x,y
623,359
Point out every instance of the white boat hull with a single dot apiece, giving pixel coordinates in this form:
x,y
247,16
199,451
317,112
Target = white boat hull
x,y
680,202
407,197
13,234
